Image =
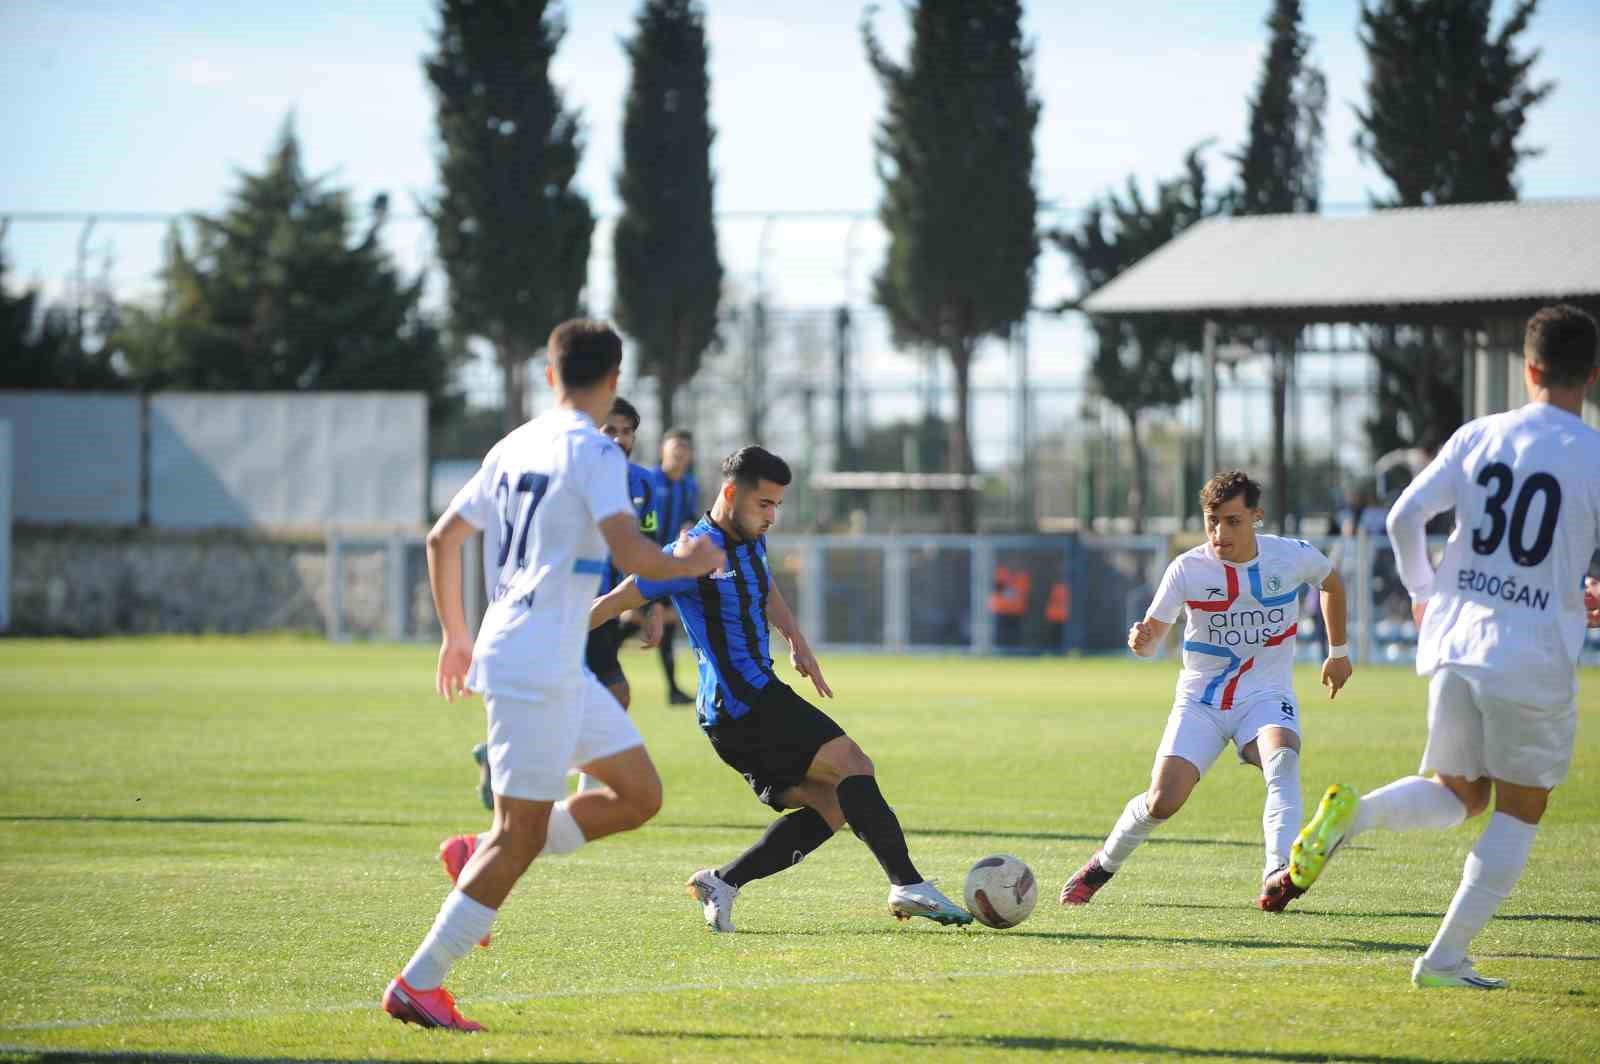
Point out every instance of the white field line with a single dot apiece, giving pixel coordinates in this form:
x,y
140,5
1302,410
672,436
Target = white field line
x,y
634,990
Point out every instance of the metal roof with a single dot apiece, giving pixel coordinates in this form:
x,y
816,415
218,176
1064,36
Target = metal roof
x,y
1438,259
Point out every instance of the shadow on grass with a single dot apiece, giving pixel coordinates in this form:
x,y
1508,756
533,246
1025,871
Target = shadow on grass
x,y
1346,945
950,833
1438,914
1037,1044
198,818
13,1055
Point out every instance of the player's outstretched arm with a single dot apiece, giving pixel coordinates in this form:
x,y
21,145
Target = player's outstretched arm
x,y
781,617
633,553
1336,670
444,580
1146,635
614,603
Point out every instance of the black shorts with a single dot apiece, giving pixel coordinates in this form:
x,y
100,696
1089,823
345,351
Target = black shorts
x,y
773,745
600,654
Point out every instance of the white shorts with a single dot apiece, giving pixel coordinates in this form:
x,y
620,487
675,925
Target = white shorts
x,y
1474,734
532,742
1198,733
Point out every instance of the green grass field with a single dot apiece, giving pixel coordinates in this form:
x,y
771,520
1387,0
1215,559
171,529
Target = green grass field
x,y
223,849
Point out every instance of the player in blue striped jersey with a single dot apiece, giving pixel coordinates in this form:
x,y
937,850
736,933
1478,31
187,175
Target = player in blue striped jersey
x,y
794,756
677,500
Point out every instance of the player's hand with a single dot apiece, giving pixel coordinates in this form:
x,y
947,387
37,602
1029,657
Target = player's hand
x,y
1142,638
455,658
1335,674
1419,610
1591,600
651,627
805,663
699,554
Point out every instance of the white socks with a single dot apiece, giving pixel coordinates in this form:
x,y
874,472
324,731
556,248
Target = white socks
x,y
1493,868
1405,804
1280,816
459,926
562,836
1133,827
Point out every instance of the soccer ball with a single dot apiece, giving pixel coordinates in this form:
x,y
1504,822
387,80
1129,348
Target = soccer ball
x,y
1001,891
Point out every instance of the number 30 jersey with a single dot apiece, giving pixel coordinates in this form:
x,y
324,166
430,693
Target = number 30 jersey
x,y
1507,600
539,497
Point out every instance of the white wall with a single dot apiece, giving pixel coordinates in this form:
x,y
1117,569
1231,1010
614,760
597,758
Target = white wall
x,y
288,460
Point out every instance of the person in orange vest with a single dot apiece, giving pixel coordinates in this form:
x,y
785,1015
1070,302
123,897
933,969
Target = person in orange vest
x,y
1009,604
1056,611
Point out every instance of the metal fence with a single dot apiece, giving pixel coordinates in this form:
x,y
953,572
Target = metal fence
x,y
922,594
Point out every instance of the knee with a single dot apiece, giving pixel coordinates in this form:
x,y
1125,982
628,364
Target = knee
x,y
854,761
647,803
840,759
1163,802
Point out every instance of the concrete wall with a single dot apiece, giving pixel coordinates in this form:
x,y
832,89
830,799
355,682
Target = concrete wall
x,y
86,582
75,457
187,460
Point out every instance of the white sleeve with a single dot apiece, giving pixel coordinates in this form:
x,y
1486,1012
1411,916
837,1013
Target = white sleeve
x,y
1169,595
1314,565
1432,492
474,503
605,482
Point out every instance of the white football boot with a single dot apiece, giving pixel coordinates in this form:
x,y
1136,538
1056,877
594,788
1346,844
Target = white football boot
x,y
924,899
1463,974
715,897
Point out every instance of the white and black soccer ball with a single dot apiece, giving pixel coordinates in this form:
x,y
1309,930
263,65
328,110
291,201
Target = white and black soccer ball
x,y
1001,891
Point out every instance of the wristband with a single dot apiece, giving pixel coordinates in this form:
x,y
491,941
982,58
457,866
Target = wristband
x,y
1340,651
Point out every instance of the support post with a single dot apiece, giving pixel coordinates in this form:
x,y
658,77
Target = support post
x,y
1208,404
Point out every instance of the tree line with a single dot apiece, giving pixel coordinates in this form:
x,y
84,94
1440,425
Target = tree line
x,y
287,289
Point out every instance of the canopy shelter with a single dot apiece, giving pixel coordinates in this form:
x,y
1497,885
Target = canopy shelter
x,y
1483,268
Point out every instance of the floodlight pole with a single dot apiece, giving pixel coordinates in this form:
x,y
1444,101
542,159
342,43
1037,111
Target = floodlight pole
x,y
1208,405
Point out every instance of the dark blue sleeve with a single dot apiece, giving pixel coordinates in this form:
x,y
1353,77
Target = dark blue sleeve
x,y
655,589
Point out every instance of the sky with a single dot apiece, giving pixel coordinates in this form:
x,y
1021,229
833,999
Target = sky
x,y
154,106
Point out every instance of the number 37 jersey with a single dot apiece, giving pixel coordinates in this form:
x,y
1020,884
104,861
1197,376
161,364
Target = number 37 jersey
x,y
1507,600
539,497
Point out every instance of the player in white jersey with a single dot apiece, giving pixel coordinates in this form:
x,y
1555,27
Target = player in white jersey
x,y
554,497
1242,593
1502,622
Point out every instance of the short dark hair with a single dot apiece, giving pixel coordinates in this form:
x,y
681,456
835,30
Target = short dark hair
x,y
620,407
1230,485
749,466
1562,343
583,351
677,434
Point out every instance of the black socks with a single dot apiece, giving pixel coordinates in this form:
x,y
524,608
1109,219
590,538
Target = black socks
x,y
787,840
669,663
876,825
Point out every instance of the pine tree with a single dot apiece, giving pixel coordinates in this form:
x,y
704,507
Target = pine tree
x,y
1447,102
272,295
1280,173
512,233
668,273
1135,361
43,349
955,151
